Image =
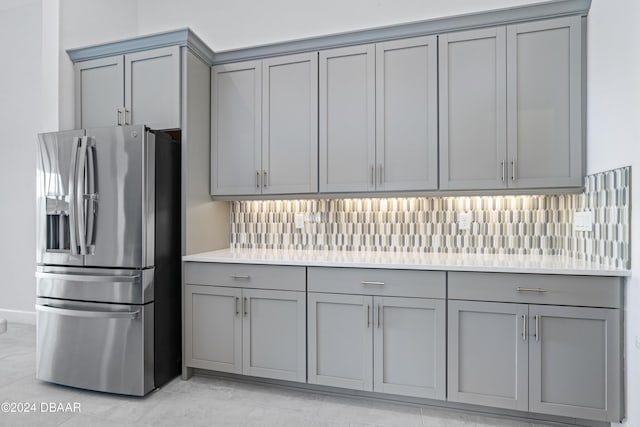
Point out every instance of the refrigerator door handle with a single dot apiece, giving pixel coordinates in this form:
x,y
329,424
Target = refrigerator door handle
x,y
87,278
73,215
80,191
92,197
87,313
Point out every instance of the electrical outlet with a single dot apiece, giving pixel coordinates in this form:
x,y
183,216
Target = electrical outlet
x,y
583,221
299,220
464,220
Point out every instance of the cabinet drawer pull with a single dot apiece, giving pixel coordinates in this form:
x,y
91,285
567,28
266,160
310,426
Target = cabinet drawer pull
x,y
118,113
257,179
513,170
240,277
522,289
378,316
524,327
380,174
237,309
502,167
537,333
366,282
264,179
244,306
127,113
373,173
368,315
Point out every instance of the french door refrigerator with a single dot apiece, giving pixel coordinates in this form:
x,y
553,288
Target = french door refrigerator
x,y
108,259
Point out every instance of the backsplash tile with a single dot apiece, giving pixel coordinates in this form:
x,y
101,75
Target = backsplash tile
x,y
540,224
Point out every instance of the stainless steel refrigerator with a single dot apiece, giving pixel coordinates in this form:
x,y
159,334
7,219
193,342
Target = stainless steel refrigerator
x,y
108,259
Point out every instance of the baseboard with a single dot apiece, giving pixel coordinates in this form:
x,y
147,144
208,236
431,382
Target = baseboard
x,y
18,316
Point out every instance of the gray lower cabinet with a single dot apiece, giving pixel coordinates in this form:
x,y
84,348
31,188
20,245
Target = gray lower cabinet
x,y
136,88
488,354
264,126
543,358
575,362
510,104
234,324
377,342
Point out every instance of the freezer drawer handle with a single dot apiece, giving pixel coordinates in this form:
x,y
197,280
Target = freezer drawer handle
x,y
88,314
83,278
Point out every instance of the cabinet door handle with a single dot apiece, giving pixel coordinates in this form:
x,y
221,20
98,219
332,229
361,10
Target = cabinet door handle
x,y
118,114
368,315
524,327
537,333
502,168
380,173
245,308
373,174
264,179
257,179
378,316
237,309
240,276
127,112
372,283
523,289
513,170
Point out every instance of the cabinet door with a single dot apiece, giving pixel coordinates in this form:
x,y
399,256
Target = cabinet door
x,y
544,103
290,124
409,347
488,354
473,140
274,339
340,340
152,88
99,92
347,119
575,362
236,127
406,114
213,328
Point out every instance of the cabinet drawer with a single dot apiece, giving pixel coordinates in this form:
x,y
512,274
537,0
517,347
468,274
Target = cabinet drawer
x,y
245,276
588,291
372,281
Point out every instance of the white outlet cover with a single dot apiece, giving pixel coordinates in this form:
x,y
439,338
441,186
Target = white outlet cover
x,y
583,221
464,220
299,220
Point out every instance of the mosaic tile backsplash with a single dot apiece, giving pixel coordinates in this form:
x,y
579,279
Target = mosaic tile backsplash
x,y
542,225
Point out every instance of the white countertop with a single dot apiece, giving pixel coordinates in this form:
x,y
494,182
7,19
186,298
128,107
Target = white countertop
x,y
541,264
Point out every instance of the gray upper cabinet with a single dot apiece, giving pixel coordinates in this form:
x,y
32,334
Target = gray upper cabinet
x,y
264,126
99,92
575,362
544,103
406,115
290,124
473,140
137,88
236,128
511,106
152,88
347,119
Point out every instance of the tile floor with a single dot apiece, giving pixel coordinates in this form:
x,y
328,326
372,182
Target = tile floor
x,y
201,401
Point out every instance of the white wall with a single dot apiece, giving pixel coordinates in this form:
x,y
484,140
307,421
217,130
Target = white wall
x,y
20,114
613,140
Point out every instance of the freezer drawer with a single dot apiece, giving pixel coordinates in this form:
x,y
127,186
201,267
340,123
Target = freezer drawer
x,y
95,284
102,347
